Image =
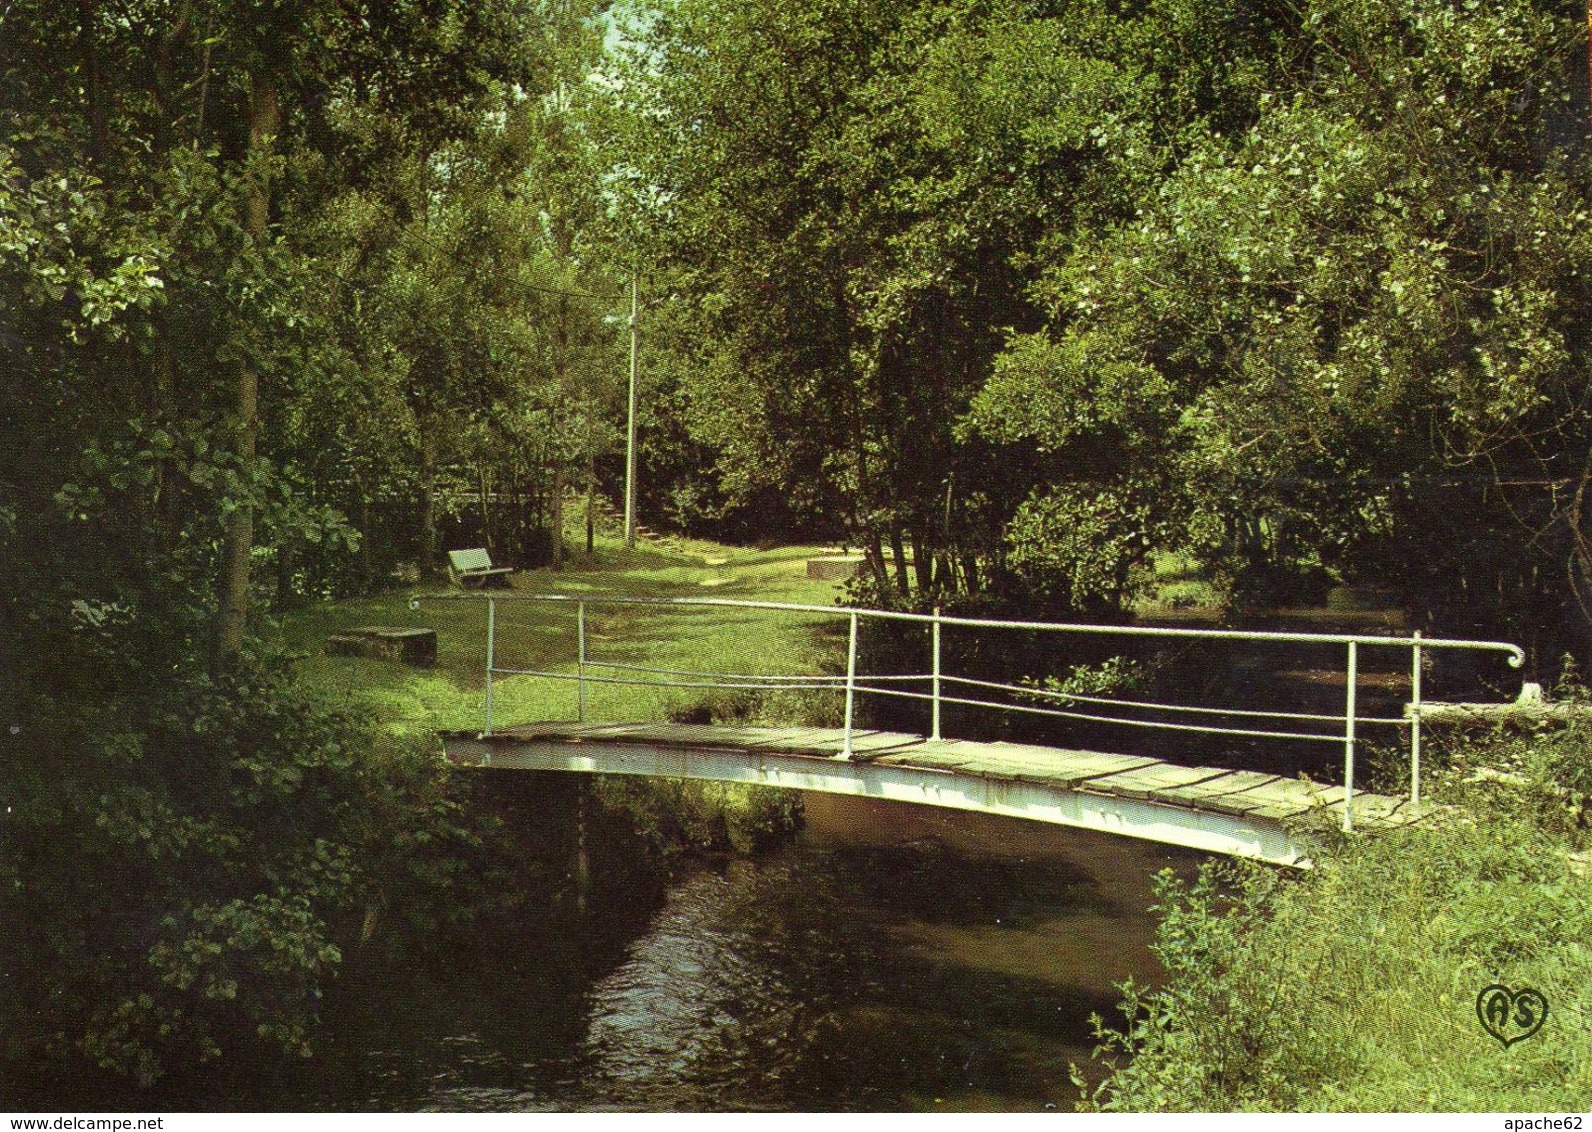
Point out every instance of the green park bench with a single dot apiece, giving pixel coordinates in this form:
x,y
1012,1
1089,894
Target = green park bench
x,y
473,569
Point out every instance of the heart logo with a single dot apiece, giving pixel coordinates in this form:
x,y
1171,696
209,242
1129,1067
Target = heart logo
x,y
1511,1016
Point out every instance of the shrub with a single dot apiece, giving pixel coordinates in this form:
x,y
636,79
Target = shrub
x,y
1541,777
1353,986
184,863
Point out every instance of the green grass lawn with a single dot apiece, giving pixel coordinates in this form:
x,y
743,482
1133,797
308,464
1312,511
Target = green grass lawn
x,y
1176,586
542,636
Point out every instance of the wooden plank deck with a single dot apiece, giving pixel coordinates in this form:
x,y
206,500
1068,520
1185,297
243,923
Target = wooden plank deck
x,y
1237,793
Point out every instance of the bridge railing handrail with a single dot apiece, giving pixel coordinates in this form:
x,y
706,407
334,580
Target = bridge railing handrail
x,y
853,683
1517,655
795,682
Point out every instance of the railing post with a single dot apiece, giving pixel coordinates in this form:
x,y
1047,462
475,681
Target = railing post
x,y
934,727
1415,721
851,682
491,652
1348,738
580,663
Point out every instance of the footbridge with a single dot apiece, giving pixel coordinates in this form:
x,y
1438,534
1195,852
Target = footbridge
x,y
1142,790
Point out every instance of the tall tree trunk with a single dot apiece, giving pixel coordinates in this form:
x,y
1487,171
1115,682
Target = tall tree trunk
x,y
429,557
284,575
557,521
873,550
923,562
204,87
561,377
899,552
970,576
945,573
98,124
265,118
365,572
486,508
591,515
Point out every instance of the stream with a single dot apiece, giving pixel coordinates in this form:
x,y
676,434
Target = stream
x,y
890,957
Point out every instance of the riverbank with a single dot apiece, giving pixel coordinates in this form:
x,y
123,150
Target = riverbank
x,y
1354,987
415,703
451,695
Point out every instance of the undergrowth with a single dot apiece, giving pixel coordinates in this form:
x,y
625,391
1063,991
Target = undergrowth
x,y
1353,987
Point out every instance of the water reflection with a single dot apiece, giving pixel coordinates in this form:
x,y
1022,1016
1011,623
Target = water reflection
x,y
892,957
895,957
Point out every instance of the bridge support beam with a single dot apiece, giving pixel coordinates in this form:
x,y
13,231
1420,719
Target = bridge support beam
x,y
1204,830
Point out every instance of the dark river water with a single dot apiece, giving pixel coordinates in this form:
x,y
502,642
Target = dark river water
x,y
892,957
889,958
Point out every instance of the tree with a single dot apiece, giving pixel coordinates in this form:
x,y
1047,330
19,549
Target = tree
x,y
853,208
191,112
188,837
1332,325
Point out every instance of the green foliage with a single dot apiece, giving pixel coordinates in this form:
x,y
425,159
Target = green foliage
x,y
1009,294
1539,776
157,917
850,212
190,382
676,814
1077,549
1047,393
1271,283
185,863
1340,319
1115,676
1353,986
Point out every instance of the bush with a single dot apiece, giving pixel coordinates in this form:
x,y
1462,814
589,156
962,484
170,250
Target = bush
x,y
184,863
1353,986
1541,777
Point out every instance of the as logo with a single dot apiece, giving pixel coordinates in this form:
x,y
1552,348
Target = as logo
x,y
1511,1016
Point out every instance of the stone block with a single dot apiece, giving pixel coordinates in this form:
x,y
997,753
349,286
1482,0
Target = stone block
x,y
414,647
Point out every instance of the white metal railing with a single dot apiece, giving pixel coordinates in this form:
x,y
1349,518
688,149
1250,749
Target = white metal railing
x,y
853,684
